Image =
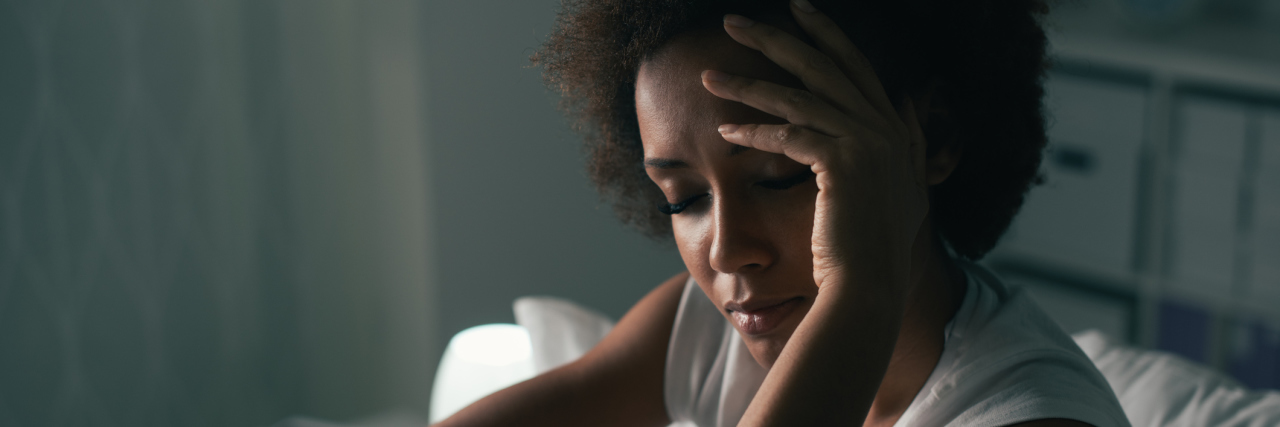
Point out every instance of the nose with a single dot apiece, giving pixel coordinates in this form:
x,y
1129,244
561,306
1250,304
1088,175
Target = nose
x,y
739,241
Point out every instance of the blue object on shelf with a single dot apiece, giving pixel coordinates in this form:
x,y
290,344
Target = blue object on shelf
x,y
1255,355
1184,330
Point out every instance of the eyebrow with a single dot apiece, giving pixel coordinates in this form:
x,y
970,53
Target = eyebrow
x,y
658,163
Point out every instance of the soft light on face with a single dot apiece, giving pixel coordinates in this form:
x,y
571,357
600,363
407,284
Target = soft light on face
x,y
742,218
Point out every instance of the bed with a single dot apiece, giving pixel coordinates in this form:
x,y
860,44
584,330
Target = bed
x,y
1154,388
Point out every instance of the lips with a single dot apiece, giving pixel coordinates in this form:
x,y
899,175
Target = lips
x,y
758,319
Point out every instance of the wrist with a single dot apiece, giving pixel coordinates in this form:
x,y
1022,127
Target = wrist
x,y
880,287
883,273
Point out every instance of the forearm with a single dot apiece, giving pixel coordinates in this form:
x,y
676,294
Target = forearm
x,y
548,396
831,368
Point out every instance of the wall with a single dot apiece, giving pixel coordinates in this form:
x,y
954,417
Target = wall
x,y
212,213
516,214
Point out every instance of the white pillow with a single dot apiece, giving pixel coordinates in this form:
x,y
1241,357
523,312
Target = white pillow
x,y
560,330
1161,389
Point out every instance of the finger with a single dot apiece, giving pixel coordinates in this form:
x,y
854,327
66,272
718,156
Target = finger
x,y
832,41
796,106
796,142
816,70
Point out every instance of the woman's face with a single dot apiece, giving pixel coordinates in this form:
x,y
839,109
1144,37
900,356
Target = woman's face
x,y
744,230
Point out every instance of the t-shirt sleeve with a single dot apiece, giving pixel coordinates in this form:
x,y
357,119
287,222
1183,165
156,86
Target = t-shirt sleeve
x,y
1040,385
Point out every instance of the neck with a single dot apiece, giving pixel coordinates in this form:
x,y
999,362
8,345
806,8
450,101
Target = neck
x,y
931,303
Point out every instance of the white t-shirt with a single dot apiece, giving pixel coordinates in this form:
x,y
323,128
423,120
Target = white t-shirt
x,y
1004,362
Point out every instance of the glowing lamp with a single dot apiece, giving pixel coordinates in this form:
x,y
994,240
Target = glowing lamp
x,y
478,361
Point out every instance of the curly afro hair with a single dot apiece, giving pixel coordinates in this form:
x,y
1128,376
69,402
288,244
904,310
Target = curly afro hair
x,y
983,60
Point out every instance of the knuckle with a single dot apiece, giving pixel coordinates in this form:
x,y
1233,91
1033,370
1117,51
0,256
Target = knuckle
x,y
788,134
819,63
798,99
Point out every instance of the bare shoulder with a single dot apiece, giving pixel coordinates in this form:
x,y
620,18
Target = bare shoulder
x,y
624,372
646,328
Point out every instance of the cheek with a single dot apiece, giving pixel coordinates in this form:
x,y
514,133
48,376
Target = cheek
x,y
787,223
694,243
793,221
694,239
791,225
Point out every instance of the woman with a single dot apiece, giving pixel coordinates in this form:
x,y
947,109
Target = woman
x,y
825,215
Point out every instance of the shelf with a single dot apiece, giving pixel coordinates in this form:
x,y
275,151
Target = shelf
x,y
1062,270
1239,57
1202,92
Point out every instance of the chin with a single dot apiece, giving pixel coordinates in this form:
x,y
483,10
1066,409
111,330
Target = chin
x,y
767,355
766,349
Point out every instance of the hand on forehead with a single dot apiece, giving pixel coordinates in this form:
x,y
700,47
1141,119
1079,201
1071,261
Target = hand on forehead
x,y
671,101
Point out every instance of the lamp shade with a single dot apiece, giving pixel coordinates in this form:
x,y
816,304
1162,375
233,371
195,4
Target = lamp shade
x,y
478,361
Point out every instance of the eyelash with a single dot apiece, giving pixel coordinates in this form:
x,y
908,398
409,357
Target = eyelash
x,y
777,184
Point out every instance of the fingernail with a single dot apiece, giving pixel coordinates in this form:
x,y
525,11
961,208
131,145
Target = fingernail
x,y
715,76
804,5
738,21
727,129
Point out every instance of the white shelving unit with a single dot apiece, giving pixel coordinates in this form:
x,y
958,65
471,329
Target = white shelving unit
x,y
1163,172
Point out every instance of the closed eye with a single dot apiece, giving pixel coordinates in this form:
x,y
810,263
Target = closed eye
x,y
675,208
785,183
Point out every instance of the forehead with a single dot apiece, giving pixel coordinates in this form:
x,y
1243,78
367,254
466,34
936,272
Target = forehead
x,y
673,107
